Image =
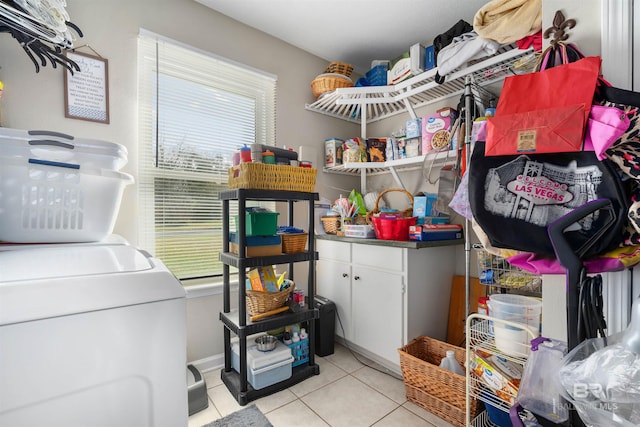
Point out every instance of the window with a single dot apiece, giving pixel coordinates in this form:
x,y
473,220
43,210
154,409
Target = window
x,y
195,110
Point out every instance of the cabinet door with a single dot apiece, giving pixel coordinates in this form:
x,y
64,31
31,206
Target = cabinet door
x,y
377,311
333,281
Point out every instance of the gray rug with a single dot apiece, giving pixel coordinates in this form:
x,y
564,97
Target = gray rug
x,y
245,417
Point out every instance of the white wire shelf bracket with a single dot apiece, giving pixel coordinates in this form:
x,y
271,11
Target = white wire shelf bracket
x,y
373,168
380,102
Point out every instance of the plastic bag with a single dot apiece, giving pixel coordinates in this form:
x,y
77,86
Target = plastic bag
x,y
356,199
603,383
539,390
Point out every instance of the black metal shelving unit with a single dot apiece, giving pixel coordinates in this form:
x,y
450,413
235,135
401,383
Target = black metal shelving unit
x,y
236,320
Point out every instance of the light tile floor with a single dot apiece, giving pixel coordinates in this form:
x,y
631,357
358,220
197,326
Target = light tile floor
x,y
346,393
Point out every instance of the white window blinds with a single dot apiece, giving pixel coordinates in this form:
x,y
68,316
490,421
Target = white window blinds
x,y
195,110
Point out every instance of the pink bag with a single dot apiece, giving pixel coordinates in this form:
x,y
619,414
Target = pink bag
x,y
605,126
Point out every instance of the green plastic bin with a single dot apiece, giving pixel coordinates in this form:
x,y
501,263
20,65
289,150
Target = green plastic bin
x,y
260,222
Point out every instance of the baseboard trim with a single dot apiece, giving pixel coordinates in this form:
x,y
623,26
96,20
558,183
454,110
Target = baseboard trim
x,y
209,363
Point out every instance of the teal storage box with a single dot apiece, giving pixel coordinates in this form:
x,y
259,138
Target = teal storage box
x,y
423,204
443,219
260,222
299,351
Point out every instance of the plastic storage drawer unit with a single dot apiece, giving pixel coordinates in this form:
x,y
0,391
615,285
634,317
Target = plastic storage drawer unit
x,y
264,368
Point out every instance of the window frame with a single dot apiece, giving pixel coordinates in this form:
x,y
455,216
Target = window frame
x,y
150,65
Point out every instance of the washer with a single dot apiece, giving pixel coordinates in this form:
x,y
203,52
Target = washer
x,y
90,334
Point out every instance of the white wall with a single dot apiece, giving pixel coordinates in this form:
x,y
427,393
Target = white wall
x,y
36,101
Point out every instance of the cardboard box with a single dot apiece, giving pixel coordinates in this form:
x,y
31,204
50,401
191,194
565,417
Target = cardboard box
x,y
501,384
417,55
333,149
423,204
436,129
262,279
256,245
399,69
377,149
413,128
412,147
429,58
440,219
433,232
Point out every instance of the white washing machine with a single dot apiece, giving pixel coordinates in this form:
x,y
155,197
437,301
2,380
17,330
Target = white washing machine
x,y
90,335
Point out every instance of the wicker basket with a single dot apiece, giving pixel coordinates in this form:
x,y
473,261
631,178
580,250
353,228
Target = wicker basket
x,y
390,228
272,177
331,224
436,389
340,68
328,82
259,302
294,243
406,213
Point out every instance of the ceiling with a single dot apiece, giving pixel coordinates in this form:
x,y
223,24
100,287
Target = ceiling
x,y
352,31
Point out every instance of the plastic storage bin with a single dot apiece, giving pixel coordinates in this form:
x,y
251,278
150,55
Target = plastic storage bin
x,y
299,351
256,245
260,222
514,308
44,203
264,368
58,147
377,76
359,231
196,390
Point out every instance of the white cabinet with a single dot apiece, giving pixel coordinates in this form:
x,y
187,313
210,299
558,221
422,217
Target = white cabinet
x,y
385,294
377,311
335,270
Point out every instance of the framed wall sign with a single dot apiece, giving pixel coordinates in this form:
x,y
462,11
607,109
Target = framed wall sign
x,y
86,92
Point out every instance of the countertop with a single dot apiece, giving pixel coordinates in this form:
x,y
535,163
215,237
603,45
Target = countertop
x,y
411,244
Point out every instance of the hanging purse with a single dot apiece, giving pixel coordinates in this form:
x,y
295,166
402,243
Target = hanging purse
x,y
544,112
606,125
514,198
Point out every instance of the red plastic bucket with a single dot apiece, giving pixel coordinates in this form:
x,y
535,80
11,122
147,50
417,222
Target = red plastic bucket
x,y
392,229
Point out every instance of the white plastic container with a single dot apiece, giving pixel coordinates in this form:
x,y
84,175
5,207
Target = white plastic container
x,y
58,147
515,308
264,368
450,363
41,202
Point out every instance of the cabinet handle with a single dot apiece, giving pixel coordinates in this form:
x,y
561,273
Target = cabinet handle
x,y
345,275
356,278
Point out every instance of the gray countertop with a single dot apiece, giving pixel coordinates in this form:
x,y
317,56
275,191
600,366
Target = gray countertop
x,y
411,244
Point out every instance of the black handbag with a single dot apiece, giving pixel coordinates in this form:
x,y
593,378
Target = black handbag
x,y
514,198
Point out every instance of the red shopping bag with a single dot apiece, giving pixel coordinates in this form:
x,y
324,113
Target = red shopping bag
x,y
544,112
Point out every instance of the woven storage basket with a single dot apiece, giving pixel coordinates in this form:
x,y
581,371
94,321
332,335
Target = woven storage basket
x,y
436,389
261,176
331,224
340,68
260,302
294,243
328,82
